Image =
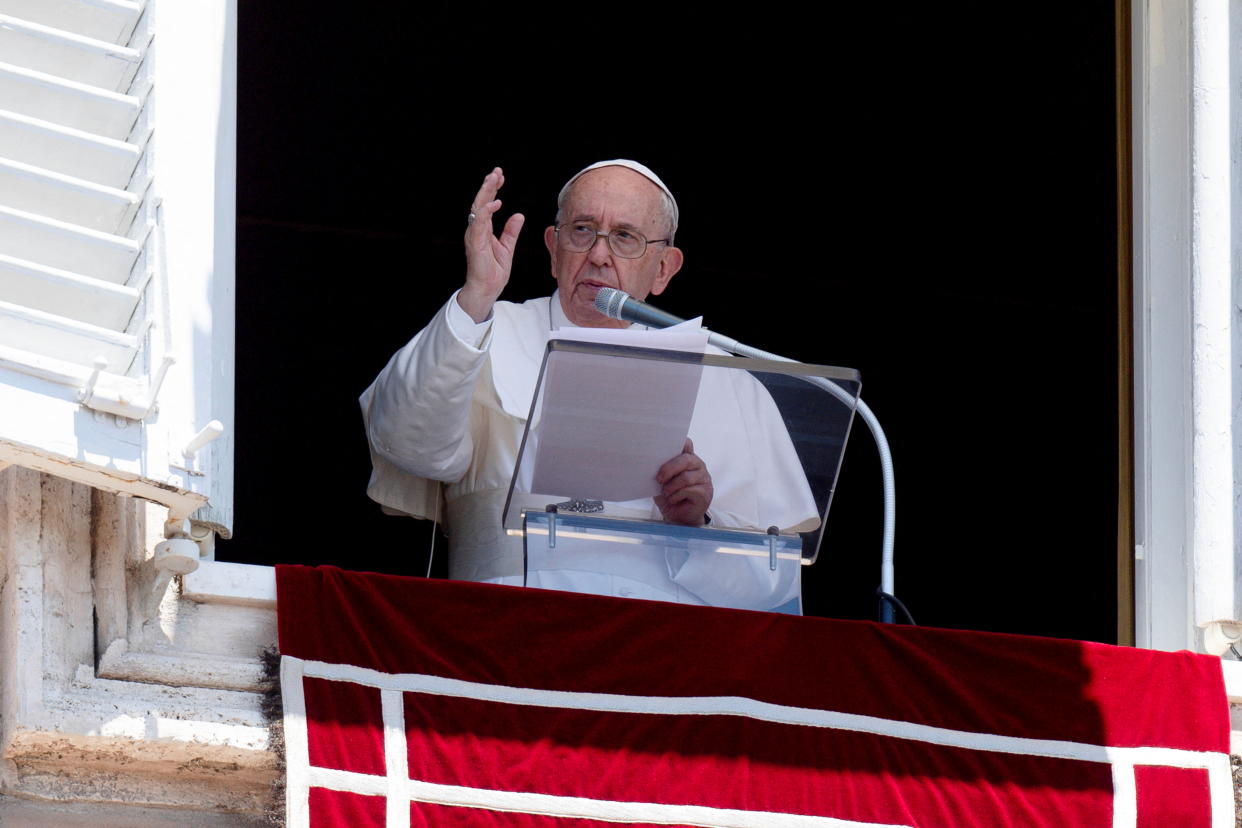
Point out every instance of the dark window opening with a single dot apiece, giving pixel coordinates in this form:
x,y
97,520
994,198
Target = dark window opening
x,y
927,195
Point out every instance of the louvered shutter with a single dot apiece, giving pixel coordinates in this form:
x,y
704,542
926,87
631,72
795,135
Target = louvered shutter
x,y
116,245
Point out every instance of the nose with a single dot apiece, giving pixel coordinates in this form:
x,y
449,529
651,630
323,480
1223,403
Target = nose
x,y
600,253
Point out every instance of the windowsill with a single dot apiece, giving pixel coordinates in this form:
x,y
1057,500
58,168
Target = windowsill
x,y
219,582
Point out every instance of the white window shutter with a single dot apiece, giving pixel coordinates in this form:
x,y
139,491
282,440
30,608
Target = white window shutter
x,y
117,183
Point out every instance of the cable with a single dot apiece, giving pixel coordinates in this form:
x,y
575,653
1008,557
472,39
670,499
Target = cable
x,y
886,598
431,548
887,569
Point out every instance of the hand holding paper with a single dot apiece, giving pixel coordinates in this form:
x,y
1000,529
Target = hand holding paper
x,y
686,488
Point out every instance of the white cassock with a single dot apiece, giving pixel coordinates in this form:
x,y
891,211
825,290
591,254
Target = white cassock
x,y
445,420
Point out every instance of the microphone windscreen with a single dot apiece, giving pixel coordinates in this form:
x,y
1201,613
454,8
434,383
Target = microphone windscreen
x,y
608,301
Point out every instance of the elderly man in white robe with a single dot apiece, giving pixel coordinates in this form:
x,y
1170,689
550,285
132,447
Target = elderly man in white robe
x,y
446,415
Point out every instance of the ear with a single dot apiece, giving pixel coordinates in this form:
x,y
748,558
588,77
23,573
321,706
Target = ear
x,y
670,263
549,241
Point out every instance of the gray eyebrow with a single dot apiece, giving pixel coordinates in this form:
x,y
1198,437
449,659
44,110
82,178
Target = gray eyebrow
x,y
625,225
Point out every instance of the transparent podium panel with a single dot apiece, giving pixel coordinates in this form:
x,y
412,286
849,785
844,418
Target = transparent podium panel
x,y
663,562
604,421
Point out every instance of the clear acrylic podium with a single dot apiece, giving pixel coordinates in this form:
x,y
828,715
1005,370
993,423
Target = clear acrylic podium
x,y
603,420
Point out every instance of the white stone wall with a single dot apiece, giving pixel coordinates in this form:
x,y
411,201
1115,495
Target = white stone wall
x,y
111,693
1187,237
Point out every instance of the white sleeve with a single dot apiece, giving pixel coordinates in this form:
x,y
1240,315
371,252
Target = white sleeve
x,y
467,331
418,408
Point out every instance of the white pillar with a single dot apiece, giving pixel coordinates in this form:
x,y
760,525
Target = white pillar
x,y
1213,400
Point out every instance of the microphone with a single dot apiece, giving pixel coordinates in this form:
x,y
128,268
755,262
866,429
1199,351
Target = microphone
x,y
617,304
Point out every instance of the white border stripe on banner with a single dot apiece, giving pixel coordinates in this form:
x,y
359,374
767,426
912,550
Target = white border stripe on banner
x,y
396,759
302,775
1220,791
1125,796
573,807
297,752
363,784
764,711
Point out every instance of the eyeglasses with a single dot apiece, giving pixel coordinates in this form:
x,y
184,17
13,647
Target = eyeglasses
x,y
580,237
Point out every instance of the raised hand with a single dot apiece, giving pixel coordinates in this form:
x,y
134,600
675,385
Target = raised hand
x,y
489,259
687,488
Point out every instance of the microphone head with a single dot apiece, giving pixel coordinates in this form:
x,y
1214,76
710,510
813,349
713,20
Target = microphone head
x,y
608,301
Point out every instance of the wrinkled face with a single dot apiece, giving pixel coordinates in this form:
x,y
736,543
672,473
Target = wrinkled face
x,y
611,198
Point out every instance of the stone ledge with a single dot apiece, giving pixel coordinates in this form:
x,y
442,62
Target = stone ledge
x,y
36,813
181,669
126,742
220,582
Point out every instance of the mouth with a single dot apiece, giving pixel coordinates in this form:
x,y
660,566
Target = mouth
x,y
593,286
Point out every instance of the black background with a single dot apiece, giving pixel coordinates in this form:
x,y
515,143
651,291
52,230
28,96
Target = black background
x,y
923,192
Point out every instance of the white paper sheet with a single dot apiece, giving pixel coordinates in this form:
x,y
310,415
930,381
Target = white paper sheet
x,y
607,424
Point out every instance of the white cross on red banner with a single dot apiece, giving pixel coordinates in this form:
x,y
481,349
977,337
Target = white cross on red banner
x,y
432,703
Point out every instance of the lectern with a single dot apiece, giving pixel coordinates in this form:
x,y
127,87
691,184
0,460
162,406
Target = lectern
x,y
605,417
